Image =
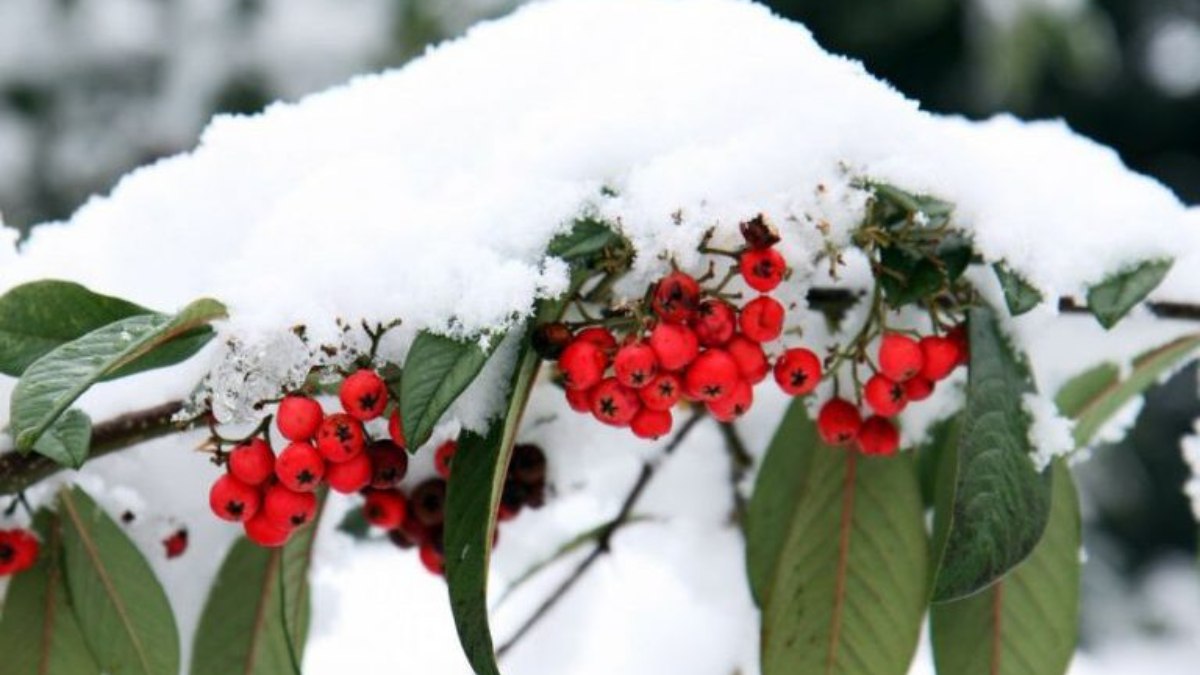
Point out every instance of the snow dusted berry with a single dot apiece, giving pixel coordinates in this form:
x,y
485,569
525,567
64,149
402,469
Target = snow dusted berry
x,y
252,461
734,405
340,437
675,345
389,463
288,509
428,502
758,233
635,365
750,357
917,388
762,319
899,356
550,339
432,560
651,424
601,337
349,476
364,395
939,357
265,532
614,404
300,467
446,451
298,417
762,269
19,551
838,422
384,508
582,364
878,436
714,322
396,430
663,392
580,400
675,297
711,376
798,371
884,395
233,500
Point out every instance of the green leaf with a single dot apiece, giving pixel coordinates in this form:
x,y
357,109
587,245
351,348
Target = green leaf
x,y
68,440
1028,621
56,380
943,438
355,524
996,503
587,238
241,630
436,371
1111,299
916,273
38,631
893,206
121,607
1019,295
846,589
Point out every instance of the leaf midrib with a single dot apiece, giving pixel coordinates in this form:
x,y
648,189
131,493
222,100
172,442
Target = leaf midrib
x,y
844,528
52,580
260,612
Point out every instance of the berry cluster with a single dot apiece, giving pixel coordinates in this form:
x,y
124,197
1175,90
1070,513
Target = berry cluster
x,y
18,551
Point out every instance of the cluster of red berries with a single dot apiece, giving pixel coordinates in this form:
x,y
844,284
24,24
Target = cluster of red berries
x,y
18,551
273,495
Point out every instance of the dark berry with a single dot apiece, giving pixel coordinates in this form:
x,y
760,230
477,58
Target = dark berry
x,y
389,464
428,502
550,339
758,233
528,464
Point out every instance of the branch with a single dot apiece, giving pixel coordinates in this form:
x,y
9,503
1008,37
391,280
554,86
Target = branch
x,y
740,462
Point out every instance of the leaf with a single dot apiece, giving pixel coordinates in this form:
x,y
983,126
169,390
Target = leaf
x,y
1019,295
38,631
943,438
68,440
1111,299
355,524
847,587
893,206
436,371
916,273
53,382
996,503
588,237
122,610
241,630
1028,621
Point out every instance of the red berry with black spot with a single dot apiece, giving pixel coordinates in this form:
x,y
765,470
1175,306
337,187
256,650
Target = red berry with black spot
x,y
175,544
364,395
615,404
651,424
443,457
340,438
711,376
714,322
428,503
300,467
885,396
385,508
19,551
396,430
798,371
838,422
231,499
288,509
899,357
252,461
762,319
266,532
939,357
599,336
580,400
750,357
675,297
734,405
582,364
298,417
675,345
917,388
350,476
635,365
663,392
432,560
389,464
878,436
762,268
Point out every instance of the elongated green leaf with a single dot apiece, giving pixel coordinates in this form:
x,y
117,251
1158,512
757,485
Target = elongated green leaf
x,y
587,238
56,380
998,503
436,370
1111,299
1026,623
38,631
122,610
68,440
846,592
943,438
1019,295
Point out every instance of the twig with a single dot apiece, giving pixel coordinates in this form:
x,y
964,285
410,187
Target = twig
x,y
740,462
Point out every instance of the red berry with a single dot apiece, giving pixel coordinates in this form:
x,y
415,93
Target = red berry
x,y
734,405
444,456
549,339
288,509
838,422
385,508
432,559
884,395
266,532
396,430
675,345
917,388
580,400
340,438
350,476
582,364
750,357
762,319
762,268
714,322
252,462
505,513
176,544
428,503
233,500
878,436
939,357
389,463
599,336
675,297
651,424
662,393
798,371
635,365
614,403
364,395
711,376
298,417
959,335
300,467
19,550
899,356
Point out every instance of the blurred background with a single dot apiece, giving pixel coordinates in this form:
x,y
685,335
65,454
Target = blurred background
x,y
90,89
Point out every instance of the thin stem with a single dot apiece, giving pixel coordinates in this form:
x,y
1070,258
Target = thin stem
x,y
740,462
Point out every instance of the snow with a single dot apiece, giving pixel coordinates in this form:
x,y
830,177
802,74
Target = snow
x,y
1049,432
